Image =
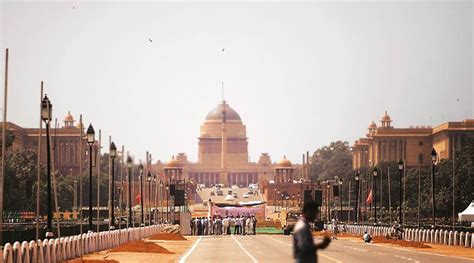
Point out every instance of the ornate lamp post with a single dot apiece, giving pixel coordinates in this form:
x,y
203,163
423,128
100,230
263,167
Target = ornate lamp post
x,y
148,179
433,201
274,199
155,186
140,177
90,140
278,206
129,166
161,201
357,175
375,172
167,204
113,154
328,188
340,195
46,116
401,166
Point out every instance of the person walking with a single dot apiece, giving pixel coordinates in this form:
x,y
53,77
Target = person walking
x,y
304,248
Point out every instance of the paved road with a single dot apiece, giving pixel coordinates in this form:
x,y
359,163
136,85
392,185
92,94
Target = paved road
x,y
278,248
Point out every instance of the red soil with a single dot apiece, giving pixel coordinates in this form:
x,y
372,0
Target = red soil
x,y
402,243
167,236
141,246
93,261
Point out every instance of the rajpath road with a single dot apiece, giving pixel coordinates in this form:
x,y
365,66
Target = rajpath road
x,y
278,248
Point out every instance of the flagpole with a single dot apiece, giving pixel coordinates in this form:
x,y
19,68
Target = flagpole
x,y
97,164
38,180
4,145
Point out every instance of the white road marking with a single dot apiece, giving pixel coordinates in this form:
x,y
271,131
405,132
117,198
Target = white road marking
x,y
423,252
183,259
246,252
320,253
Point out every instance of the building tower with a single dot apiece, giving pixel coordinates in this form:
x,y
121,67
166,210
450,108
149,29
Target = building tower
x,y
223,174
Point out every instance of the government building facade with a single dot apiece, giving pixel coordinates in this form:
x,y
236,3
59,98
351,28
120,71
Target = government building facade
x,y
413,145
223,156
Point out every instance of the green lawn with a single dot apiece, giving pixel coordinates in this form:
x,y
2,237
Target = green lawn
x,y
268,230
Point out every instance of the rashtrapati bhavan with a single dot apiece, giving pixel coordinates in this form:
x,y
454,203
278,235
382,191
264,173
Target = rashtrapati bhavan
x,y
223,154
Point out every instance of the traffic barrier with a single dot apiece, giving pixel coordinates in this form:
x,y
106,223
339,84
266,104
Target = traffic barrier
x,y
422,235
65,248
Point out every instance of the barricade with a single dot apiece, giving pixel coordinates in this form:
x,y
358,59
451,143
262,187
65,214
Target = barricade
x,y
65,248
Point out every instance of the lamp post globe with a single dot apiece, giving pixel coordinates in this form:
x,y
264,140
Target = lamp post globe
x,y
46,109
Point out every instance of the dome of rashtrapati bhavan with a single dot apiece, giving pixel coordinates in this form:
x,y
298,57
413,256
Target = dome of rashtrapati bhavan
x,y
222,163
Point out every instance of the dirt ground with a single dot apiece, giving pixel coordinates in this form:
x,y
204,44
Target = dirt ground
x,y
177,248
418,246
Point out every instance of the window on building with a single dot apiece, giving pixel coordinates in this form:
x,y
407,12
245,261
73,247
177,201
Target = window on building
x,y
420,158
420,143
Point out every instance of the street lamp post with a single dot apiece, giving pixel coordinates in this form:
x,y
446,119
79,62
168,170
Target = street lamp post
x,y
113,154
46,116
90,141
340,195
274,200
148,178
401,166
140,170
161,201
167,204
129,166
328,188
357,197
375,193
278,206
433,201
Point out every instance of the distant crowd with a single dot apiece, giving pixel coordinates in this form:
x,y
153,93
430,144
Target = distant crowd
x,y
228,225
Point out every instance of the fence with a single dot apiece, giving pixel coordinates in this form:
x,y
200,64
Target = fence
x,y
64,248
442,237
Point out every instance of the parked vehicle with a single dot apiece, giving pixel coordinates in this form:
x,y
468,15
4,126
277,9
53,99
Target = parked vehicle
x,y
245,195
291,219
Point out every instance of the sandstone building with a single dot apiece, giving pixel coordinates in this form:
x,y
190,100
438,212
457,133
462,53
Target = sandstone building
x,y
413,145
223,154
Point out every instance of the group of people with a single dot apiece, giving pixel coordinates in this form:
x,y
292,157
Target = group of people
x,y
218,225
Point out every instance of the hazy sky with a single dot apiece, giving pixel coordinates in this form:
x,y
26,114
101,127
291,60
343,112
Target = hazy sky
x,y
299,74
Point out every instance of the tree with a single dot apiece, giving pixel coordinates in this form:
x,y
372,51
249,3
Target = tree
x,y
19,181
10,138
330,161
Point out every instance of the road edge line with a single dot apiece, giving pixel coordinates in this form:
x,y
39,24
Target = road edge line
x,y
246,252
183,258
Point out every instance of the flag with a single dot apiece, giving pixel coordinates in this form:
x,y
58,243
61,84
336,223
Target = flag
x,y
369,198
137,198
